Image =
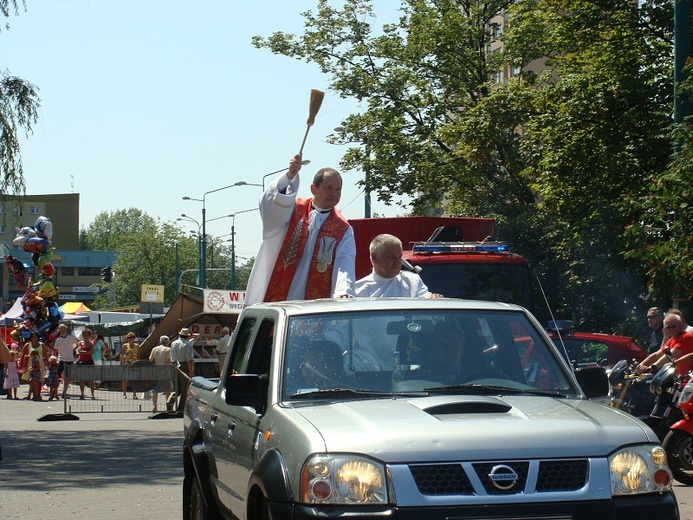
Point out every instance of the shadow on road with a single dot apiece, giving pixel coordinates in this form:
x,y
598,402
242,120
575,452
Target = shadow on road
x,y
49,461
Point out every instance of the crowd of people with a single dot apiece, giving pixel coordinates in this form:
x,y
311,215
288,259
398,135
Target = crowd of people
x,y
43,365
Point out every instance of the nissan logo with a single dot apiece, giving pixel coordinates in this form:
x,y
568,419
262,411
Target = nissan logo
x,y
503,477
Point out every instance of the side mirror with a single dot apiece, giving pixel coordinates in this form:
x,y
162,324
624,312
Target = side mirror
x,y
593,381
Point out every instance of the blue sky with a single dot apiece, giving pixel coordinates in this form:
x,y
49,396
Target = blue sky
x,y
144,102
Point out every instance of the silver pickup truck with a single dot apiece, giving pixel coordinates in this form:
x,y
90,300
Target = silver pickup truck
x,y
411,409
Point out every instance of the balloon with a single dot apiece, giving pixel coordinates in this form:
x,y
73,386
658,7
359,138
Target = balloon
x,y
44,327
17,269
14,334
54,312
44,227
54,332
44,258
35,245
48,290
48,270
23,234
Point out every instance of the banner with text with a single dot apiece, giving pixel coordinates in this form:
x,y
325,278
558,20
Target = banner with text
x,y
218,301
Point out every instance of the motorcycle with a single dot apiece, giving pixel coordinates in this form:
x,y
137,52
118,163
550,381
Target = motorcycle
x,y
630,391
678,443
667,386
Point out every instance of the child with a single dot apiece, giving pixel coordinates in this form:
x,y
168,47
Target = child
x,y
35,376
11,376
53,378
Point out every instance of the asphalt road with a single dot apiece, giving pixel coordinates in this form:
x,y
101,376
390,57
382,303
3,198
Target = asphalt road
x,y
110,466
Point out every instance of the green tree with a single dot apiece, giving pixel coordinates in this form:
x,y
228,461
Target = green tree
x,y
146,254
595,133
660,233
108,229
552,156
19,104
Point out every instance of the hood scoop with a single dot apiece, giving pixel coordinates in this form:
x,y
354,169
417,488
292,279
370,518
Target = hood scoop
x,y
463,407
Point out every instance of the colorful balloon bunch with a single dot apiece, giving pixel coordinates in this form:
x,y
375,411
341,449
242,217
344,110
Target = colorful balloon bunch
x,y
18,270
40,301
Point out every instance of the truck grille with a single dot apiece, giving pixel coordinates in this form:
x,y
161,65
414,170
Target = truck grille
x,y
501,477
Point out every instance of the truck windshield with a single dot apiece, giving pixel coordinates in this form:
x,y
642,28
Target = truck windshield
x,y
401,352
502,283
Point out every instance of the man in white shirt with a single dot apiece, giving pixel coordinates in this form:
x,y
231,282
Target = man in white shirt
x,y
308,249
161,355
65,344
183,356
387,280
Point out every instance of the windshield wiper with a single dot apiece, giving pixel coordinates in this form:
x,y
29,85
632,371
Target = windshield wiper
x,y
491,390
339,392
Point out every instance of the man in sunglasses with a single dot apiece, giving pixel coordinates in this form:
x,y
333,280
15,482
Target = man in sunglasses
x,y
655,320
679,343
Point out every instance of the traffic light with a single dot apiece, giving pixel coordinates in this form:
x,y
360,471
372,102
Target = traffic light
x,y
106,274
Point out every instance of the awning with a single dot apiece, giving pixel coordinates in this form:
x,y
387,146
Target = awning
x,y
74,308
119,328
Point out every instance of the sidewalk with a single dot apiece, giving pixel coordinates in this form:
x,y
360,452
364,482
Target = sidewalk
x,y
104,465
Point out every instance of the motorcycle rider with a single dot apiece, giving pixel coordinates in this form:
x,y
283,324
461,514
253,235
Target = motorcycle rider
x,y
655,320
678,341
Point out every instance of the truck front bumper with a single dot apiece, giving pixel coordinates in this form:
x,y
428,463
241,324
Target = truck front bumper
x,y
642,507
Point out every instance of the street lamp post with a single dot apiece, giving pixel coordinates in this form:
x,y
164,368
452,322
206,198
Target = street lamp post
x,y
232,216
233,245
203,261
188,218
304,162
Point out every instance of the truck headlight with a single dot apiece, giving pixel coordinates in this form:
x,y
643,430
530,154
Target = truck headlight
x,y
343,479
639,469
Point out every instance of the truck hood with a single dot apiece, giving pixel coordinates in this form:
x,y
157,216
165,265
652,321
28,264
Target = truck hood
x,y
473,427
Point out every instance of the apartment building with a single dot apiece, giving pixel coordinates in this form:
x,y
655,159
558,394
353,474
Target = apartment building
x,y
76,271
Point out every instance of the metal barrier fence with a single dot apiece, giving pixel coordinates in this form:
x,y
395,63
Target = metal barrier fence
x,y
141,377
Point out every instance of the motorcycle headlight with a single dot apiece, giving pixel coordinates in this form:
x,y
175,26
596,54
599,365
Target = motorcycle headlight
x,y
639,469
343,479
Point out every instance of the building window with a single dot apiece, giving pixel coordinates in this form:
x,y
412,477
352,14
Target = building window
x,y
35,210
2,210
18,211
88,271
67,271
2,229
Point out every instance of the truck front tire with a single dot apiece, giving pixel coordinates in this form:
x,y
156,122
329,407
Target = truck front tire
x,y
194,507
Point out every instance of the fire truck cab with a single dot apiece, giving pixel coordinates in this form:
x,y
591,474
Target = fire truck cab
x,y
458,257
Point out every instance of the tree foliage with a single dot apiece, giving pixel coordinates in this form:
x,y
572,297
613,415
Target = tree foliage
x,y
660,233
19,104
147,254
554,153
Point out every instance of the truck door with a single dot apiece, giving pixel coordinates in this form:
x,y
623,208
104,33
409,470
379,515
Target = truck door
x,y
244,422
220,421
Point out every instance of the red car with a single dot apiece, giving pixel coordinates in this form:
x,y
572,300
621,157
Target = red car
x,y
588,349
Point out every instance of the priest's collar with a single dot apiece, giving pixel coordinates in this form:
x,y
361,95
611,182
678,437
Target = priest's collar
x,y
320,210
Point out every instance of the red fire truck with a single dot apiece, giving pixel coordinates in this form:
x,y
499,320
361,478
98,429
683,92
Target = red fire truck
x,y
458,256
